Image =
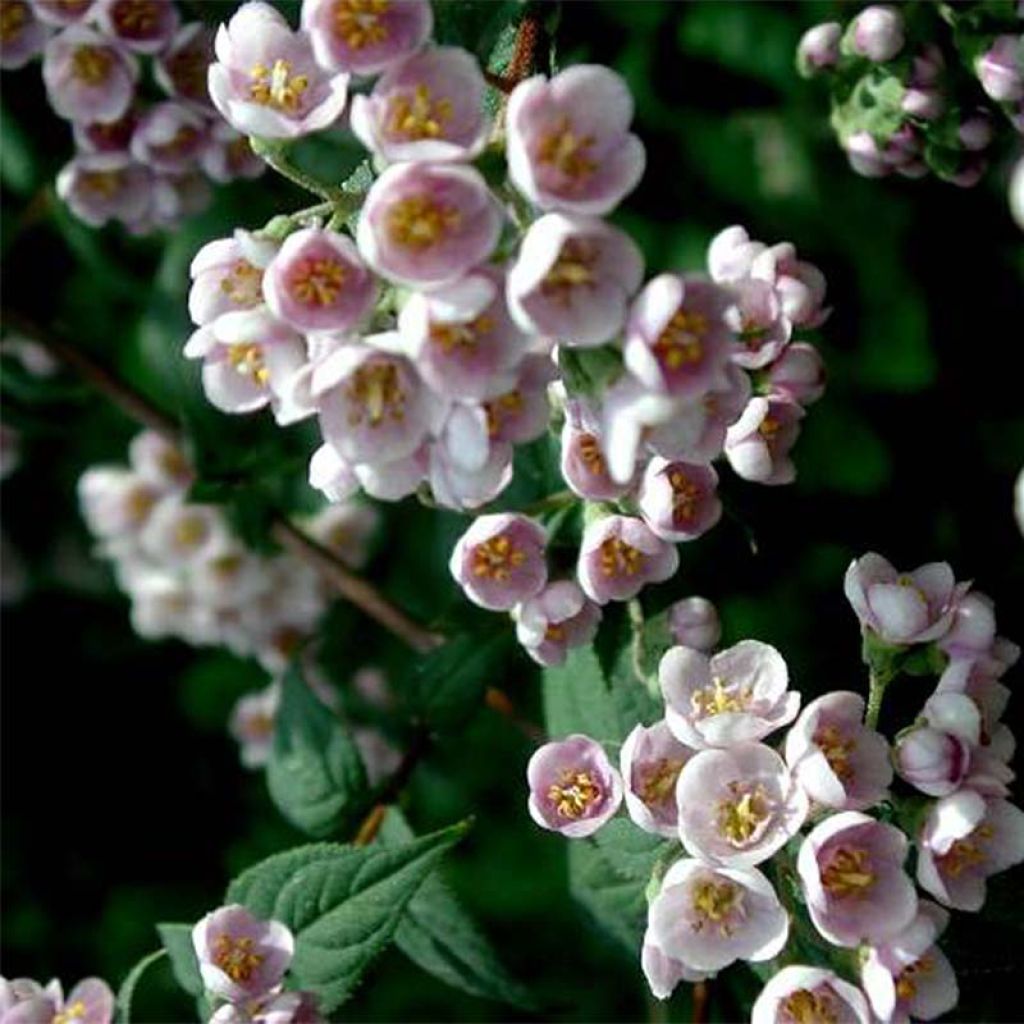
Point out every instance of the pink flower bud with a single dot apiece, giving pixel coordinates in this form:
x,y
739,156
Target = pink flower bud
x,y
572,279
145,26
428,224
557,618
456,486
731,255
180,70
330,474
864,155
156,459
364,39
427,108
499,561
619,555
569,144
694,623
679,500
800,285
241,957
24,35
877,33
973,629
819,47
758,444
651,761
99,187
170,137
931,761
1000,69
574,789
88,77
799,374
738,696
811,994
265,81
761,331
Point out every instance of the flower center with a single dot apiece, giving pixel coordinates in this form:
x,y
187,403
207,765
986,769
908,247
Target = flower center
x,y
501,409
236,957
555,633
103,183
837,749
685,496
658,780
243,283
741,819
966,853
13,16
769,428
576,792
184,139
247,359
260,726
574,268
318,282
136,17
418,116
376,392
72,1012
568,152
360,22
679,344
140,503
418,222
806,1007
590,453
190,531
91,64
226,566
910,977
619,558
717,902
276,87
719,697
187,70
848,874
464,335
497,558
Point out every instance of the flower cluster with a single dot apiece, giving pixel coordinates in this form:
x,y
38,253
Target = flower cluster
x,y
187,574
143,164
789,837
23,1001
243,961
908,107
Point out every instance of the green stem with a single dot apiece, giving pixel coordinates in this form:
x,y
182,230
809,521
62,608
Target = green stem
x,y
274,155
877,682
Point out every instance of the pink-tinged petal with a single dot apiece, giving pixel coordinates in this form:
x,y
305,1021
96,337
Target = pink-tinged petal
x,y
797,990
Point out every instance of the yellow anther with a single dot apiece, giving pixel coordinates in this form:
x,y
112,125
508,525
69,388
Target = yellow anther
x,y
190,531
740,819
461,335
837,750
13,18
910,977
658,780
568,152
276,87
418,116
236,957
574,268
501,409
590,453
375,393
318,282
806,1007
136,17
247,359
243,283
91,64
574,793
717,903
617,558
418,222
680,343
848,874
360,22
685,495
718,698
497,557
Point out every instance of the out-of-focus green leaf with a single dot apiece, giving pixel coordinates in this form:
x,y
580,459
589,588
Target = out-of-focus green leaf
x,y
616,902
126,993
177,940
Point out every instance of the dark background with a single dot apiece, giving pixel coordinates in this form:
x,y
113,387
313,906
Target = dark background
x,y
124,803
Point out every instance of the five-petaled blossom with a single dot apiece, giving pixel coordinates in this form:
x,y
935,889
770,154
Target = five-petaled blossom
x,y
557,618
499,561
694,622
809,995
651,760
620,555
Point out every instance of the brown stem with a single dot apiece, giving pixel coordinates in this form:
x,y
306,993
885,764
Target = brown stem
x,y
701,998
500,702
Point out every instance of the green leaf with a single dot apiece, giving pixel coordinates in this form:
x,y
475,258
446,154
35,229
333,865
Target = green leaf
x,y
615,901
315,775
342,903
591,371
439,936
126,993
577,698
631,851
177,940
19,168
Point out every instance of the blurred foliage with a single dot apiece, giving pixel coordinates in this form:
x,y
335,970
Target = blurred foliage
x,y
124,803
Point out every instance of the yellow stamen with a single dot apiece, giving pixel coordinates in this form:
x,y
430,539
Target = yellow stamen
x,y
658,780
136,17
247,359
318,282
574,268
568,152
966,853
618,558
419,116
574,794
837,750
719,698
806,1007
375,392
590,453
103,183
72,1012
717,903
910,976
418,222
769,428
276,87
190,531
243,284
360,22
497,558
848,874
236,957
685,496
680,343
91,64
740,819
13,18
461,335
502,408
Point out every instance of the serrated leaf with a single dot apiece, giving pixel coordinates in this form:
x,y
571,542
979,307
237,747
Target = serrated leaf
x,y
630,850
315,774
177,940
126,993
577,699
615,901
439,936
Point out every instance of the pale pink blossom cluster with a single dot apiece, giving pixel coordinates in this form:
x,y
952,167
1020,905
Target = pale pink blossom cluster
x,y
23,1001
770,835
188,575
243,961
144,164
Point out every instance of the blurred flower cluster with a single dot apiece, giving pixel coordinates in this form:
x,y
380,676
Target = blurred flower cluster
x,y
142,162
792,856
923,88
23,1001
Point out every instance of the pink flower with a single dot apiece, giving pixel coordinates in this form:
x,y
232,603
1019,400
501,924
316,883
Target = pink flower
x,y
851,872
265,81
428,224
720,408
145,26
865,156
228,155
619,556
973,629
979,679
555,619
819,47
99,187
106,137
708,917
569,145
159,461
798,374
115,502
252,724
248,361
23,1001
678,500
738,806
499,561
908,975
330,474
62,13
227,276
240,956
877,33
572,279
737,696
677,341
182,533
373,407
170,137
662,972
761,331
521,414
88,77
317,282
838,760
277,1008
366,36
651,761
583,464
731,255
1000,69
934,757
180,70
800,286
23,36
811,994
459,486
427,108
574,789
757,445
966,838
693,622
461,337
903,608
